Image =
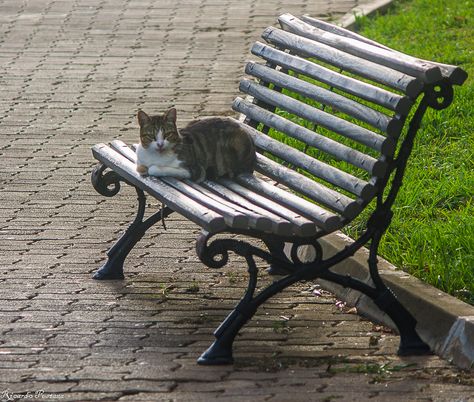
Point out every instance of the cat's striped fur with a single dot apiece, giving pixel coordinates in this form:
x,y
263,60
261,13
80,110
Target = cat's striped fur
x,y
206,148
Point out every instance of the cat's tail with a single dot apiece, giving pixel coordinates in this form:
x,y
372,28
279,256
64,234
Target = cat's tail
x,y
249,159
250,162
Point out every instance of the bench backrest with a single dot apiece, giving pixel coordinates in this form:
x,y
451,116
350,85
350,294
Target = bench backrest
x,y
351,98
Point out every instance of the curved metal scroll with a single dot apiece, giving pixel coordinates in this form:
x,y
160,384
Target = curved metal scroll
x,y
301,242
216,254
440,94
106,184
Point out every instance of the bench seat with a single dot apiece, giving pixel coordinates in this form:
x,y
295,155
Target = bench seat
x,y
249,202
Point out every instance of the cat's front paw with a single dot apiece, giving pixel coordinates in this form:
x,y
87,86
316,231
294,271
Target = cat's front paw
x,y
155,171
142,169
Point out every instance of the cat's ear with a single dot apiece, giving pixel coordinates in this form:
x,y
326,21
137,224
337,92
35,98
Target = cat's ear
x,y
143,118
170,115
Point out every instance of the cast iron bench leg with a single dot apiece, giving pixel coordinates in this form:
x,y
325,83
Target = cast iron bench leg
x,y
410,342
113,268
220,352
386,300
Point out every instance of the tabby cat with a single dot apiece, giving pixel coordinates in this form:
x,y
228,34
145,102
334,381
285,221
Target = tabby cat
x,y
205,148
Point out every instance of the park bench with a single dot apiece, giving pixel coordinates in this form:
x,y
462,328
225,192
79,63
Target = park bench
x,y
333,116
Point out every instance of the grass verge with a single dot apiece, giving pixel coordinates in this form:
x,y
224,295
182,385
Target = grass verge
x,y
432,234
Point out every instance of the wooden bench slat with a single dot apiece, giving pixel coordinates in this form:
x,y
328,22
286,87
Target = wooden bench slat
x,y
337,202
409,85
319,169
197,213
232,218
385,145
302,226
125,150
454,74
331,174
334,200
256,220
279,225
399,104
325,219
376,119
256,113
385,57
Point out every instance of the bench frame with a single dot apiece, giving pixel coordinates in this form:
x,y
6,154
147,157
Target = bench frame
x,y
214,253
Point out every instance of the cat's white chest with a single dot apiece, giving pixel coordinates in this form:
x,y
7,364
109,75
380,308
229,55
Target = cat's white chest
x,y
161,164
149,157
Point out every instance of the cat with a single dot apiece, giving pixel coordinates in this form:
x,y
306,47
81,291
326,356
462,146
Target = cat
x,y
206,148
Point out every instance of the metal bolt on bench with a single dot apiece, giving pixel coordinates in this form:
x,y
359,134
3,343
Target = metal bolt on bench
x,y
357,103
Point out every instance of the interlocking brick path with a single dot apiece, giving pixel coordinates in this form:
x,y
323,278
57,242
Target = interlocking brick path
x,y
74,73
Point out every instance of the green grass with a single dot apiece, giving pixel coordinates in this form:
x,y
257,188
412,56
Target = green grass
x,y
432,233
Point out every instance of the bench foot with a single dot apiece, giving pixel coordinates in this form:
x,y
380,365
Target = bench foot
x,y
109,271
410,342
220,352
216,355
387,301
414,349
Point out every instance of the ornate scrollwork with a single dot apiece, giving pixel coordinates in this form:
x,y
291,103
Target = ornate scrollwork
x,y
106,184
216,253
440,95
312,251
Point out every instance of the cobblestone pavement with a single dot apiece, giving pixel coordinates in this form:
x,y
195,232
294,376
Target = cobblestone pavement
x,y
73,73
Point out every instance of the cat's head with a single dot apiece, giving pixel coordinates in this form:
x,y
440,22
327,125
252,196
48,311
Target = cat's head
x,y
159,132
